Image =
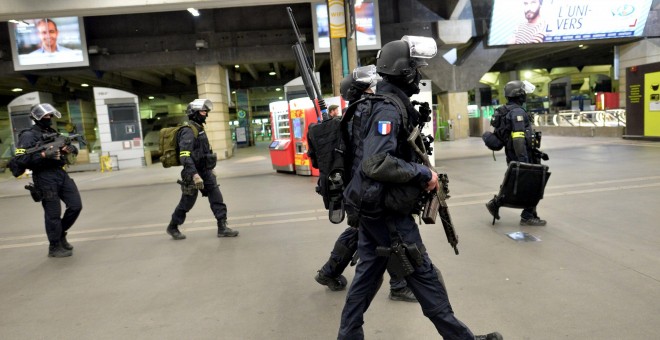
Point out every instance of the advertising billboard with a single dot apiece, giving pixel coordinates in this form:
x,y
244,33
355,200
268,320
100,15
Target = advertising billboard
x,y
539,21
367,26
46,43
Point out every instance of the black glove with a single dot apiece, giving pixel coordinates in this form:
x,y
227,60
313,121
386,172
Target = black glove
x,y
52,153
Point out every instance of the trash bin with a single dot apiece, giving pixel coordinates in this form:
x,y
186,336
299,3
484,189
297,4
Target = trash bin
x,y
444,131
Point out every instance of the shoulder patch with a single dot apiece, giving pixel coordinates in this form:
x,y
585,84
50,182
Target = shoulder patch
x,y
384,127
519,118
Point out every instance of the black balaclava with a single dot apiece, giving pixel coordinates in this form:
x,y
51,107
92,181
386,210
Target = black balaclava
x,y
197,118
44,123
405,84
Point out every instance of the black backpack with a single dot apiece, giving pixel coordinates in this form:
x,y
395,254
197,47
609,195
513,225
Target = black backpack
x,y
497,139
328,148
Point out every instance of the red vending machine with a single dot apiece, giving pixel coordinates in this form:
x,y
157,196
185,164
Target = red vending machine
x,y
302,113
281,148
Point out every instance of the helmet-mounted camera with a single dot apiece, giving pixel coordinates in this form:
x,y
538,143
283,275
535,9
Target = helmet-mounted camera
x,y
38,111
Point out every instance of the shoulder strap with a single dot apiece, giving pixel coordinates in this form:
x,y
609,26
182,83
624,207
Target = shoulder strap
x,y
192,126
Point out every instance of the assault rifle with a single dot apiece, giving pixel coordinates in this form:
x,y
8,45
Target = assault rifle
x,y
436,201
305,65
56,141
536,145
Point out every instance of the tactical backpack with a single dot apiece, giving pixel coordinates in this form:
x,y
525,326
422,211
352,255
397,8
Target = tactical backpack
x,y
169,146
497,139
329,151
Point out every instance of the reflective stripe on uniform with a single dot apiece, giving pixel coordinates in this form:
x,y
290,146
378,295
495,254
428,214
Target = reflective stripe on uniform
x,y
184,154
517,134
19,152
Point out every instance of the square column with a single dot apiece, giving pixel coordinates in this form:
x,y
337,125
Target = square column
x,y
455,105
212,85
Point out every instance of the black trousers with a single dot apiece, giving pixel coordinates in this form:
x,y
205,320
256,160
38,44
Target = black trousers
x,y
338,262
424,281
56,185
210,190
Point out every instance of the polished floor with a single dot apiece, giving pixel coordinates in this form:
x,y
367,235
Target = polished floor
x,y
594,272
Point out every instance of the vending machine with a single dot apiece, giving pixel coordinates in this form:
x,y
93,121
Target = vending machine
x,y
302,113
281,148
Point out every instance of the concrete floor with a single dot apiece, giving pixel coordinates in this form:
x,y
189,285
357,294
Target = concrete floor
x,y
595,274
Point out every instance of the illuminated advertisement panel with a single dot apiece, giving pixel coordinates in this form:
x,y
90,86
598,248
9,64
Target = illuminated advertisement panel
x,y
366,22
48,43
538,21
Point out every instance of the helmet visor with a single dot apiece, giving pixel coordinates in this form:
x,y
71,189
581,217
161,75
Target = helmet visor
x,y
201,105
421,47
528,87
40,110
366,74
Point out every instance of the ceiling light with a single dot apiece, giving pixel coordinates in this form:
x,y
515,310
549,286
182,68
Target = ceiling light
x,y
84,85
193,11
151,97
233,92
17,89
278,89
280,98
237,66
272,73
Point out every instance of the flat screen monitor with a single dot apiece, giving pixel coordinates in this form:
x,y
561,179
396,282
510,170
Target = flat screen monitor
x,y
47,43
366,21
542,21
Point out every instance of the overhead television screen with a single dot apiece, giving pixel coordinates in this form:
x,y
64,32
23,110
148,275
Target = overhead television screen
x,y
540,21
46,43
366,21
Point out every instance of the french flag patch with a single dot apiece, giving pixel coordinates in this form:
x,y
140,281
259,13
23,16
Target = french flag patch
x,y
384,127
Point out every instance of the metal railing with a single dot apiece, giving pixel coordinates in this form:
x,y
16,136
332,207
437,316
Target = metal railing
x,y
599,118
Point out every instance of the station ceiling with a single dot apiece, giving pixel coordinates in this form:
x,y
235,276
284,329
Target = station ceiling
x,y
155,62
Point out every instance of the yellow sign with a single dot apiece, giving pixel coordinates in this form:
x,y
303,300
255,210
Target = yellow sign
x,y
337,19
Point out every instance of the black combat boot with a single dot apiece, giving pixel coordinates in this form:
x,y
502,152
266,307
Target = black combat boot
x,y
173,230
334,283
489,336
65,244
56,250
224,231
402,294
494,209
534,222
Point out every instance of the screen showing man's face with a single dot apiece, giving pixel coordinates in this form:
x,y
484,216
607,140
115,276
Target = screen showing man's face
x,y
48,36
532,9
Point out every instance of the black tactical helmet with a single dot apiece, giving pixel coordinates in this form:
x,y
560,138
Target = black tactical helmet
x,y
518,90
514,89
351,90
402,58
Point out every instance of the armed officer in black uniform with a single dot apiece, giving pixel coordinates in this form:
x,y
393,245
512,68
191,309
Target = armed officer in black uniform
x,y
362,80
384,162
198,172
519,147
50,179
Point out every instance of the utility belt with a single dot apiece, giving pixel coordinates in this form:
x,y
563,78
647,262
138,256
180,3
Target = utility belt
x,y
39,194
403,257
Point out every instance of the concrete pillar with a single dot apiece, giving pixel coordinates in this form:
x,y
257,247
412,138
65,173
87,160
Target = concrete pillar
x,y
455,109
212,85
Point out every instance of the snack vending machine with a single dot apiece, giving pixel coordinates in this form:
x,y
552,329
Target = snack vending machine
x,y
302,113
281,148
